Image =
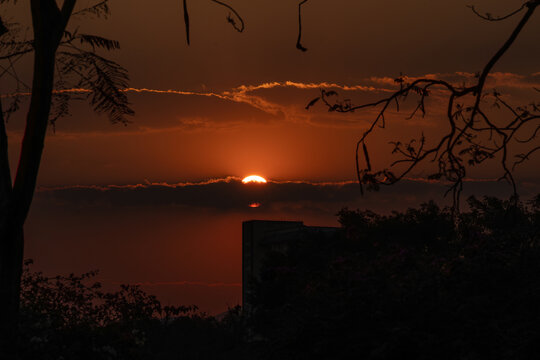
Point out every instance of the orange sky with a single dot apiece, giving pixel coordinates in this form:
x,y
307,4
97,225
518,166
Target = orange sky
x,y
189,137
179,138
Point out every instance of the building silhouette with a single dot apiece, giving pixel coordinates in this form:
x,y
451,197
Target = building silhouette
x,y
262,236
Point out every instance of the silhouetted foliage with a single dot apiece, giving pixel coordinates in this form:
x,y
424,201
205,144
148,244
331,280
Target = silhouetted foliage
x,y
71,317
408,285
474,136
63,59
79,67
67,65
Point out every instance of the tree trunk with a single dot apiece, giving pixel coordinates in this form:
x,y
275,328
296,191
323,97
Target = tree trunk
x,y
10,281
17,201
11,247
49,23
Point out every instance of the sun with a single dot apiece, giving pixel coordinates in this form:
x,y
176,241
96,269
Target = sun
x,y
254,179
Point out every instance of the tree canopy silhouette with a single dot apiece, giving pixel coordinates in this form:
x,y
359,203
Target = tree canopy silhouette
x,y
73,57
407,285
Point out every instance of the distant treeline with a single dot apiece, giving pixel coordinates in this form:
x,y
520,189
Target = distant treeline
x,y
419,284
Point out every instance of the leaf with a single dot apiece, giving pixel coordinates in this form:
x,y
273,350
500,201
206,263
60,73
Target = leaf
x,y
59,108
98,10
98,42
313,102
105,78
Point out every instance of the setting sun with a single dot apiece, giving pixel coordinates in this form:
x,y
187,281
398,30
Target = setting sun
x,y
254,179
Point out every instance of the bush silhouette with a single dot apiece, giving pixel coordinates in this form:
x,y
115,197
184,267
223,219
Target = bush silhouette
x,y
414,284
71,317
409,285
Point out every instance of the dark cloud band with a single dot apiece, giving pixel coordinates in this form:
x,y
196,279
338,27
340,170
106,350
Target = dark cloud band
x,y
230,194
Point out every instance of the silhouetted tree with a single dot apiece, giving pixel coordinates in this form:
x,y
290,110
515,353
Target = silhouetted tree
x,y
63,60
54,48
73,317
473,136
408,285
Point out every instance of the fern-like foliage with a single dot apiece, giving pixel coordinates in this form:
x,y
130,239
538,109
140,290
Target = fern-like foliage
x,y
59,108
93,40
99,10
13,107
12,42
78,66
105,80
98,42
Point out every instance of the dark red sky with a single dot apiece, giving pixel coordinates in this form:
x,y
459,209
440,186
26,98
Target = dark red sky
x,y
235,125
188,137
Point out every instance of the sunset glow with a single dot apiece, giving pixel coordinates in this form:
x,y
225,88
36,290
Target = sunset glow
x,y
155,176
254,179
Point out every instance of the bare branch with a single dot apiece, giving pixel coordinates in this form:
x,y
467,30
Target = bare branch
x,y
230,19
531,5
233,18
464,144
15,54
489,17
299,45
523,157
186,19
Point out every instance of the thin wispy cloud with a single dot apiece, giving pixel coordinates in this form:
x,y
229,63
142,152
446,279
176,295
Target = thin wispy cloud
x,y
181,283
293,108
307,86
495,79
239,94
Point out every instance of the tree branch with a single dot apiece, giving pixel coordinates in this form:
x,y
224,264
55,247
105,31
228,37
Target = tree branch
x,y
299,45
230,18
186,20
49,26
463,144
5,173
67,10
532,5
490,17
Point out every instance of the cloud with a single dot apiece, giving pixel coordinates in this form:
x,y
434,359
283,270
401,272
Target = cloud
x,y
304,86
279,101
495,79
224,194
182,283
252,96
229,194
